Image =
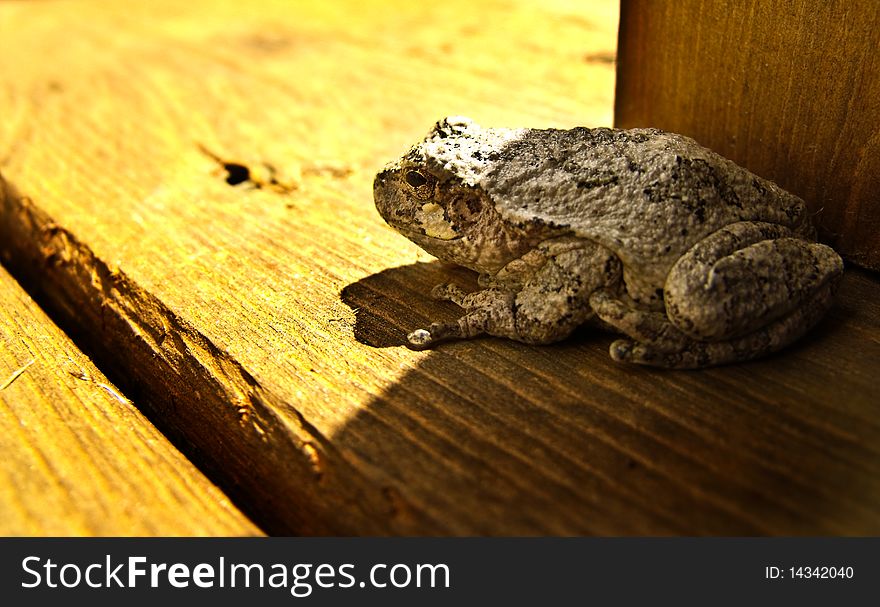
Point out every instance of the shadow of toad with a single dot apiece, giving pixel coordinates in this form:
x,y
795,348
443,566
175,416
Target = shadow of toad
x,y
393,302
491,436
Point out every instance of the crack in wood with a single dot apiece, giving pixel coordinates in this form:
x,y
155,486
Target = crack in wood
x,y
16,374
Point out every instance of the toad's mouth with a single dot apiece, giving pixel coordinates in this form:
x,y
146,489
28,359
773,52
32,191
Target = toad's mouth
x,y
421,234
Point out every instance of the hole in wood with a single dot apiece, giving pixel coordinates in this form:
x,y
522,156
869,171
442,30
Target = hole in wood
x,y
236,173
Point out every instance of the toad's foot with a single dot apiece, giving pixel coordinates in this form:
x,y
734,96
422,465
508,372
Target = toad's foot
x,y
655,341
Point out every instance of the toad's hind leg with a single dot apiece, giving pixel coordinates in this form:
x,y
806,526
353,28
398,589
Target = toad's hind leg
x,y
746,290
653,340
746,276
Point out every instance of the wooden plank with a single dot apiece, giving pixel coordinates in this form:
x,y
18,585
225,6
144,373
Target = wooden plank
x,y
262,325
78,457
790,90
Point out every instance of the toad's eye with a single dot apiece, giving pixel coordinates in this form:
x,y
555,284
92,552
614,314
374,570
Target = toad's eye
x,y
421,183
415,179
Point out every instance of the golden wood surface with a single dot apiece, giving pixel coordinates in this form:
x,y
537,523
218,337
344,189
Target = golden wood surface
x,y
261,324
78,457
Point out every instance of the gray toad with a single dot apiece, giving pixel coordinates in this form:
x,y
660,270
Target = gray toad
x,y
694,259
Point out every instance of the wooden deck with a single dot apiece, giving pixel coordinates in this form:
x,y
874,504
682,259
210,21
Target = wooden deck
x,y
78,457
259,325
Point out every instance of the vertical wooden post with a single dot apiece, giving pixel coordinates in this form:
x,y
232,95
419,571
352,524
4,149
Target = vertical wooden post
x,y
789,89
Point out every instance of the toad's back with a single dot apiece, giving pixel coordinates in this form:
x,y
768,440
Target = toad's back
x,y
645,194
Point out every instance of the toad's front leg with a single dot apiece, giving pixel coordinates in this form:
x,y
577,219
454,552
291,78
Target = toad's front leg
x,y
539,300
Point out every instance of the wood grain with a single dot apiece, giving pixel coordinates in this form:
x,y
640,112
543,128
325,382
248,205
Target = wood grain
x,y
790,90
78,458
261,324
